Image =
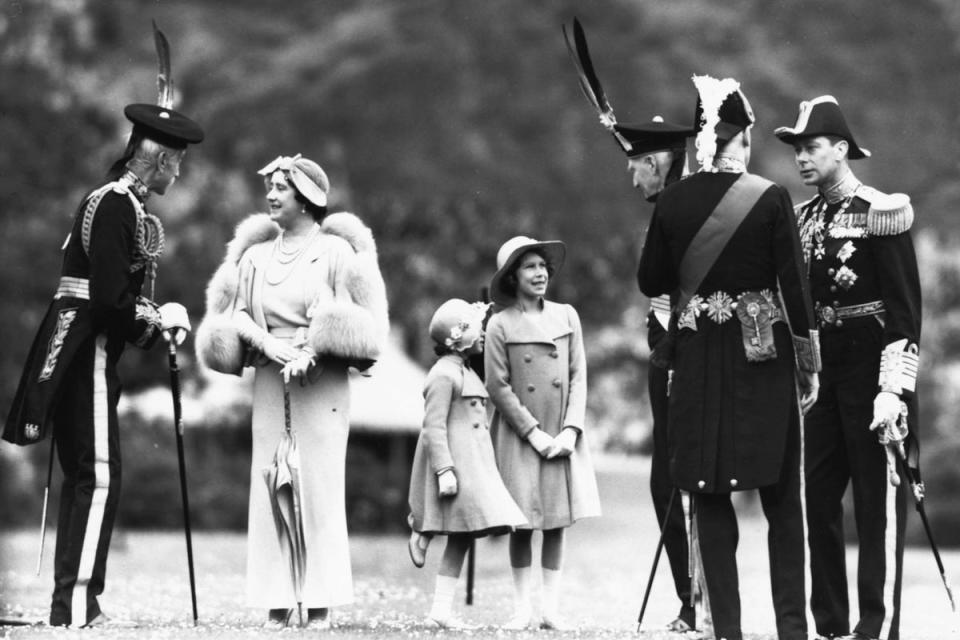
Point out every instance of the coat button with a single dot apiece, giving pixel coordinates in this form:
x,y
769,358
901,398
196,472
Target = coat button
x,y
530,387
556,382
733,482
839,323
833,288
473,403
554,354
701,484
476,425
527,357
831,271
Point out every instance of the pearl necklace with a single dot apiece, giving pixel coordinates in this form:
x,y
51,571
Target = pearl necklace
x,y
284,260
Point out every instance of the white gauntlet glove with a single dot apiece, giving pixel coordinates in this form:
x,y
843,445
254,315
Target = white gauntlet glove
x,y
886,410
540,441
174,322
447,482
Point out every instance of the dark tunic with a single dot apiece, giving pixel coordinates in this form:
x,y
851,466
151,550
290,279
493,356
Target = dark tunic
x,y
115,275
729,417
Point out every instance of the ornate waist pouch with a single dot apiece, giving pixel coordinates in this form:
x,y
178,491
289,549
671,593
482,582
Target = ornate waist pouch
x,y
756,311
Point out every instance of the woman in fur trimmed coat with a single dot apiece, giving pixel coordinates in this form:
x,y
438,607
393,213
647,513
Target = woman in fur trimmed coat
x,y
300,297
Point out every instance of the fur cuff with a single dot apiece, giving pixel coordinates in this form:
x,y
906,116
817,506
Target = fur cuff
x,y
345,330
218,344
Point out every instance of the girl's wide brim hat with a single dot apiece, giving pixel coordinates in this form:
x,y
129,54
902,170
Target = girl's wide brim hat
x,y
554,251
306,175
821,117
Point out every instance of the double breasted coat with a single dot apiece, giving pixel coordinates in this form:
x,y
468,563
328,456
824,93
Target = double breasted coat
x,y
536,376
729,418
456,435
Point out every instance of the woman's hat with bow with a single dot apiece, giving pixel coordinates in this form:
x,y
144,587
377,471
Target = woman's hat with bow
x,y
305,175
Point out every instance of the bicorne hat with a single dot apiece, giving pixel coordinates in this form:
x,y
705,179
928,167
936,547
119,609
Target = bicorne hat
x,y
821,117
735,114
165,126
649,137
554,251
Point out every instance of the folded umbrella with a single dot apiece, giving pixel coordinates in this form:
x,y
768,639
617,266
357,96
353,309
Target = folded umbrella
x,y
284,488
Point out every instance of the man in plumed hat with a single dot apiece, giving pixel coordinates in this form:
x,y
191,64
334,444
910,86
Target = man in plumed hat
x,y
657,157
724,242
69,388
866,292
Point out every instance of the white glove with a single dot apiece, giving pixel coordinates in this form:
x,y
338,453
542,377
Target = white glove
x,y
174,322
564,443
280,351
298,366
447,481
540,441
886,409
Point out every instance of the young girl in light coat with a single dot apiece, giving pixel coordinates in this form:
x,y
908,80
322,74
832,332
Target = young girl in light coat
x,y
537,380
455,489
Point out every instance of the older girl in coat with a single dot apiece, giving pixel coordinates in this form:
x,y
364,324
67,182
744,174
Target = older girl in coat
x,y
537,380
455,489
300,297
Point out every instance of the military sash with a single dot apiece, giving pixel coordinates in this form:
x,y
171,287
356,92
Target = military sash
x,y
713,236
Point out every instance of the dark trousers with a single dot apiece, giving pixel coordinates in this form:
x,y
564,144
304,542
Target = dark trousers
x,y
718,534
661,487
841,450
87,439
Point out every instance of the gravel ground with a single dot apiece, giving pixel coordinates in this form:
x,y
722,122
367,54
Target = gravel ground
x,y
608,560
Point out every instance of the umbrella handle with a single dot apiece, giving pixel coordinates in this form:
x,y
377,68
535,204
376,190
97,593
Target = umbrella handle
x,y
286,407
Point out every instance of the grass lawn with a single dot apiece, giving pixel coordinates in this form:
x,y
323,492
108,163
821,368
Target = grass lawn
x,y
608,560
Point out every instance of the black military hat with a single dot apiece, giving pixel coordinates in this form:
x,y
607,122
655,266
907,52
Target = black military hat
x,y
165,126
648,137
821,117
735,114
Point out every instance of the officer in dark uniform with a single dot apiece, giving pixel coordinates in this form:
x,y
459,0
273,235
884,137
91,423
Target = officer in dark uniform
x,y
657,157
69,384
866,291
726,242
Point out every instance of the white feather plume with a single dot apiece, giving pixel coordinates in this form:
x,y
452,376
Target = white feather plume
x,y
712,94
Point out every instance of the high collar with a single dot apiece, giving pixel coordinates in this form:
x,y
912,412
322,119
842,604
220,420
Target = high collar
x,y
842,189
728,164
138,186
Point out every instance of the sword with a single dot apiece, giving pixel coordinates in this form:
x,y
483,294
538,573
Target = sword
x,y
918,495
46,496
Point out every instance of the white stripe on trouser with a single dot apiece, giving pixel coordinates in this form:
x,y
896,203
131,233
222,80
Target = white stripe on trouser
x,y
890,560
101,451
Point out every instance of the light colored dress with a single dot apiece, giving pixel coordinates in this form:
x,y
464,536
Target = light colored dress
x,y
330,297
456,434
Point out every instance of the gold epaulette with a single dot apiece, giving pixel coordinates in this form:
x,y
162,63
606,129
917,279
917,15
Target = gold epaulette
x,y
889,213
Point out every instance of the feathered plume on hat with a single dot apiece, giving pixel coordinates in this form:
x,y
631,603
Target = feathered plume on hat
x,y
712,94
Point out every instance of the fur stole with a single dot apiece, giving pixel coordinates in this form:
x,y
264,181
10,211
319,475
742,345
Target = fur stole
x,y
354,329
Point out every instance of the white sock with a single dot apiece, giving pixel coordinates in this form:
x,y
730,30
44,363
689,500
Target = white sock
x,y
522,604
551,593
443,593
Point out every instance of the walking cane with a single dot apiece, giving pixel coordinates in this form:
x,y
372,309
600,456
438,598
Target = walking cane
x,y
918,495
46,495
178,430
656,557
